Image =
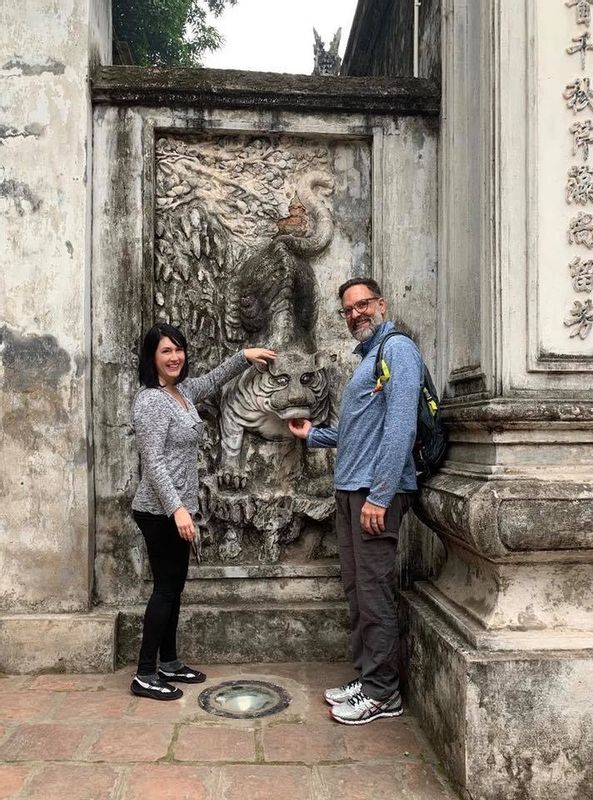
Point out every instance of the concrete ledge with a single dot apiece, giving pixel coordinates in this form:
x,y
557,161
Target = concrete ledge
x,y
493,412
512,724
212,88
511,519
502,638
31,643
236,634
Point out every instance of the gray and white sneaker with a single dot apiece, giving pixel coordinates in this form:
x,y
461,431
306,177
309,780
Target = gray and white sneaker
x,y
360,709
340,694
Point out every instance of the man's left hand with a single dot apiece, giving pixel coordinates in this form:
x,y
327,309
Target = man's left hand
x,y
372,518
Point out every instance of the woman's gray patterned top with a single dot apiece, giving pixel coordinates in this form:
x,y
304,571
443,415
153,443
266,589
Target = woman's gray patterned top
x,y
167,438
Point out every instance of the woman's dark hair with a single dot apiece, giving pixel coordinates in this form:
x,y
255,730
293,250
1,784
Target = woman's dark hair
x,y
146,369
372,285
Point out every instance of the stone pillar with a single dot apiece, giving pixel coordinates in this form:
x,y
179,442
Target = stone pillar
x,y
502,641
46,516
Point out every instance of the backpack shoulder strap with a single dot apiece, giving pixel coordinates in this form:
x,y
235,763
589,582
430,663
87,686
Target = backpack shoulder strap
x,y
379,356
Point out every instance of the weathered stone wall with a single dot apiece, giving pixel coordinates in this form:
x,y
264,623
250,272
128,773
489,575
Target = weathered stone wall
x,y
500,641
48,547
514,724
514,504
46,543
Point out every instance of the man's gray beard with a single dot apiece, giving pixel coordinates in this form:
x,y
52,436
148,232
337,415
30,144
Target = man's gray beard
x,y
367,333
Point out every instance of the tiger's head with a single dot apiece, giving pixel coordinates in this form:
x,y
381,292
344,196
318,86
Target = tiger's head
x,y
294,385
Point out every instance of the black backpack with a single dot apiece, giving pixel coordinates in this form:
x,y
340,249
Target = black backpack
x,y
431,437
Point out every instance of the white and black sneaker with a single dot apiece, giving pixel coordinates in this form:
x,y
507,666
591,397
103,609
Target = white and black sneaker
x,y
340,694
182,675
360,709
154,688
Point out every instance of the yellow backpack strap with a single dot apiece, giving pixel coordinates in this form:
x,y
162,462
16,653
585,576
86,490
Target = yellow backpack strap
x,y
382,372
432,404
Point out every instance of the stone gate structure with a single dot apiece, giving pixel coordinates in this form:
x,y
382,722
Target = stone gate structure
x,y
233,205
248,201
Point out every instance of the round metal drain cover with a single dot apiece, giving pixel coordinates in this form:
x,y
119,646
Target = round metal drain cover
x,y
244,699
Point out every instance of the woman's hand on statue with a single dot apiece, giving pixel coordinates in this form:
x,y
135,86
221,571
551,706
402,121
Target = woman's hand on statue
x,y
185,524
259,355
299,427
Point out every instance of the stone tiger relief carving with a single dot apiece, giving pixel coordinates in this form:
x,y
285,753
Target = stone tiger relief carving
x,y
265,480
239,222
220,201
274,299
262,399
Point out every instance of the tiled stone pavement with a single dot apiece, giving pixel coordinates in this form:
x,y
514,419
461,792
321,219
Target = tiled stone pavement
x,y
84,737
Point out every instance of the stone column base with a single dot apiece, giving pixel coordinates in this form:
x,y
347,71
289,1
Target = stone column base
x,y
514,723
31,643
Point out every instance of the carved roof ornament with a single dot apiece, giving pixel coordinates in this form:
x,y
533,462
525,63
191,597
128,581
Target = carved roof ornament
x,y
327,62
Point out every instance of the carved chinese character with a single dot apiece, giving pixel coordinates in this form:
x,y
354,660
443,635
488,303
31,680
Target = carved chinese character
x,y
578,95
581,273
583,10
582,136
579,188
583,44
581,230
580,319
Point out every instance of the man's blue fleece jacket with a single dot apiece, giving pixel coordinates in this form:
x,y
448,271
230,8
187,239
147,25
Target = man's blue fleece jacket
x,y
376,431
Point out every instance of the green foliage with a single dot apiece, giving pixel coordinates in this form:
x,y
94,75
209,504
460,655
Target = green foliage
x,y
167,32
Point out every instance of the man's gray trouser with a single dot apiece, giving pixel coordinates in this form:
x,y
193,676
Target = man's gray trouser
x,y
368,573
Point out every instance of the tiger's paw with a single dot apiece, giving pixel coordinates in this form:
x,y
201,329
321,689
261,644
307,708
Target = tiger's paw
x,y
231,479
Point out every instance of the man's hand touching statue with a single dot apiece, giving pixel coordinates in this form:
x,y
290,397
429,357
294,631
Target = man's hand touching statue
x,y
299,427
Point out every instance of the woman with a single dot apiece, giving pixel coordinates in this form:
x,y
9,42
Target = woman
x,y
168,431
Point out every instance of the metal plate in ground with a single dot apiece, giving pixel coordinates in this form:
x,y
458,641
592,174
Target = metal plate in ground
x,y
244,699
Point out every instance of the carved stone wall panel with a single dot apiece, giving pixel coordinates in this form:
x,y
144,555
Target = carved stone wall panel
x,y
283,510
252,236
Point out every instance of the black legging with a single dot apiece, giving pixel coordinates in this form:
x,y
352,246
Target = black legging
x,y
168,555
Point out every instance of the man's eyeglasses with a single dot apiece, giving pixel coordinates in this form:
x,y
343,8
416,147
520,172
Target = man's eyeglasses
x,y
360,307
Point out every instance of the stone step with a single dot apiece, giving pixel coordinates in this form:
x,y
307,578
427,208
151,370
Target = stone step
x,y
262,590
245,633
259,583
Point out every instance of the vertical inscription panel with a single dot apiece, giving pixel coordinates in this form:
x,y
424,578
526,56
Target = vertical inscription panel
x,y
560,290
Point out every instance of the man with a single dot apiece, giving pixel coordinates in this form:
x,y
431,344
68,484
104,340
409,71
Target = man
x,y
375,479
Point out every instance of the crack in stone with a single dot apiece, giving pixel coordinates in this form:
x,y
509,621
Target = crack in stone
x,y
17,63
19,193
10,132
